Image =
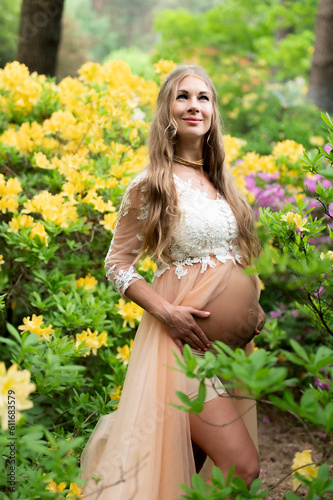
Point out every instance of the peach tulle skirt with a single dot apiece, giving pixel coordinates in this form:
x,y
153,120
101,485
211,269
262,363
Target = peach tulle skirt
x,y
143,450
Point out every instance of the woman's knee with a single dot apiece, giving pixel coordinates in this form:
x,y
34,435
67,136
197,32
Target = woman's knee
x,y
246,467
248,470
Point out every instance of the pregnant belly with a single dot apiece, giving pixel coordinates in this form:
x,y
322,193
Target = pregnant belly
x,y
234,312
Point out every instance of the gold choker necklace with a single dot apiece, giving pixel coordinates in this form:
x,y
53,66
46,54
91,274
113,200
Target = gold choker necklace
x,y
188,163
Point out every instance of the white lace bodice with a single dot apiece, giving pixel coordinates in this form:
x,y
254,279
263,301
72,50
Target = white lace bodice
x,y
207,229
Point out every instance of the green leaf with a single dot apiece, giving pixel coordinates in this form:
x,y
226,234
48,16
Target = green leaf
x,y
12,330
327,119
291,496
184,399
199,485
299,350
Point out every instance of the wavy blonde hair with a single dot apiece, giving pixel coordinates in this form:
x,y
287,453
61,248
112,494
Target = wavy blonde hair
x,y
159,186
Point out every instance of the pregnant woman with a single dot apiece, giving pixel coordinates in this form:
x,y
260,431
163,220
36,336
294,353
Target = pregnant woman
x,y
185,211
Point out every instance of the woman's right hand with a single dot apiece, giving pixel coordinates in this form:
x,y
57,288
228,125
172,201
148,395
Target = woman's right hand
x,y
182,327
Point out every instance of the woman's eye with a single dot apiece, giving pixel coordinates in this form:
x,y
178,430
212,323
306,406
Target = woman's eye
x,y
185,96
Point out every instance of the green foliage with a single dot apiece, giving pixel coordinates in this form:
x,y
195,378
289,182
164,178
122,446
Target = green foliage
x,y
94,26
258,55
58,311
9,24
243,28
230,487
138,60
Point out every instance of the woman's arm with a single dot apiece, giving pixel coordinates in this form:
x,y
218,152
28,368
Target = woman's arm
x,y
120,267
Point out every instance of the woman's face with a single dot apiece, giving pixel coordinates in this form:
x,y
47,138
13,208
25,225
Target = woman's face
x,y
192,108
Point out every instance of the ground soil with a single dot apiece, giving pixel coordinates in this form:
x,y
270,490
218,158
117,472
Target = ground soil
x,y
280,437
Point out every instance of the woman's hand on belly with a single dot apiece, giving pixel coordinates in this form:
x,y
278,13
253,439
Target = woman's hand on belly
x,y
182,327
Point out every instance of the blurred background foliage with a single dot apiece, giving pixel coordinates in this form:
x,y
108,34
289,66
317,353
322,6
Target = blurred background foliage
x,y
258,54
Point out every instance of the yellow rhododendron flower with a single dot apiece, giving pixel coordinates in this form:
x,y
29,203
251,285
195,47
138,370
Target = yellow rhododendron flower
x,y
15,387
146,264
89,282
9,194
327,255
295,221
21,221
54,487
39,230
28,137
42,161
163,67
90,72
13,186
316,140
1,261
309,470
116,393
289,149
232,147
74,491
98,202
129,311
109,221
111,183
60,121
35,325
92,339
24,94
53,208
124,353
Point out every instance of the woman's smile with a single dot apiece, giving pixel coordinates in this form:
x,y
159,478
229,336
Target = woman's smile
x,y
192,120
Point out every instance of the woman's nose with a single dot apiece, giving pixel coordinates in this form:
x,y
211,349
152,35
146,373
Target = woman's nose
x,y
193,105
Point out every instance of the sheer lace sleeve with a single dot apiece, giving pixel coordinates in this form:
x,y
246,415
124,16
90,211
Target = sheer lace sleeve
x,y
127,240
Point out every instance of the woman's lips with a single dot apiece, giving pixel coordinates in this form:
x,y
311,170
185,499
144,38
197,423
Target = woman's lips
x,y
192,120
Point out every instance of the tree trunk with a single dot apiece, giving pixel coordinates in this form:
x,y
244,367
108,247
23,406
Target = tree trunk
x,y
39,35
282,32
321,74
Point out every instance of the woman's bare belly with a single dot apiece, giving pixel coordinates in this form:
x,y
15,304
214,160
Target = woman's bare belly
x,y
234,312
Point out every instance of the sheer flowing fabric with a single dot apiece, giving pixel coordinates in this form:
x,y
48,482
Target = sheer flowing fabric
x,y
143,450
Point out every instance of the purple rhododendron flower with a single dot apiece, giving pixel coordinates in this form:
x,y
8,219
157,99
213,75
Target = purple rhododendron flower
x,y
328,148
320,290
272,194
311,183
275,314
321,384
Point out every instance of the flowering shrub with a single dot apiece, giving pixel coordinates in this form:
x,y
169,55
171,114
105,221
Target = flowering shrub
x,y
68,151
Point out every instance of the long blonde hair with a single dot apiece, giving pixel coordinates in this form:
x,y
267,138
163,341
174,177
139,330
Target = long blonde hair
x,y
160,190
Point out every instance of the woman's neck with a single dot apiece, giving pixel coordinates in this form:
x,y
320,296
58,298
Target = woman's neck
x,y
189,151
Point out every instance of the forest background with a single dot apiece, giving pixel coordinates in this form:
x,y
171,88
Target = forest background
x,y
70,144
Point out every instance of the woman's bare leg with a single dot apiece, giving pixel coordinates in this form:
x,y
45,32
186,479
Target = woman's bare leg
x,y
221,433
